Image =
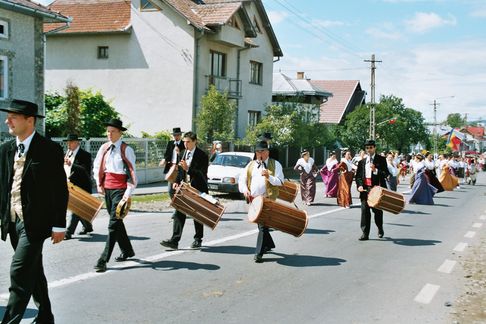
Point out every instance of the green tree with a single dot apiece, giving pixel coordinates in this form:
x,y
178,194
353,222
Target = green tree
x,y
216,118
455,120
73,110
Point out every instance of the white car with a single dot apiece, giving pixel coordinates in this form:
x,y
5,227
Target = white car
x,y
224,171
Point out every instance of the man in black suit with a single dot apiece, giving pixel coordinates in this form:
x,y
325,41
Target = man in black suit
x,y
172,154
372,171
77,164
194,164
33,203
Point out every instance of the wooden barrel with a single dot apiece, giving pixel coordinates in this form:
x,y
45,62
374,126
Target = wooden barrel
x,y
288,191
387,200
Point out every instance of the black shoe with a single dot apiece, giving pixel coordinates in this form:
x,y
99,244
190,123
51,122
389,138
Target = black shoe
x,y
364,238
100,266
68,236
170,244
267,249
381,233
196,244
258,258
124,256
85,231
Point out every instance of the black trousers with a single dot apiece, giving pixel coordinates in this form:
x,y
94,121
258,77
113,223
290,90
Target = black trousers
x,y
264,240
179,221
366,216
26,277
73,223
116,228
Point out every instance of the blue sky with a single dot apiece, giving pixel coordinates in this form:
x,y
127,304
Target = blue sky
x,y
431,49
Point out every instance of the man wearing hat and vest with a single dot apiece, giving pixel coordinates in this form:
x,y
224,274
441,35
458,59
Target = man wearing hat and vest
x,y
77,165
261,177
372,171
33,203
267,137
114,172
172,154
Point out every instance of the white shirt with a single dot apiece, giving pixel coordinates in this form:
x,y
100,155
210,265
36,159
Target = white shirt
x,y
368,167
258,182
429,164
114,164
392,168
67,168
174,152
306,165
188,155
350,165
330,163
26,144
417,166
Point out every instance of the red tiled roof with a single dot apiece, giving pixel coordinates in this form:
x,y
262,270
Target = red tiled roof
x,y
477,132
217,14
93,16
342,91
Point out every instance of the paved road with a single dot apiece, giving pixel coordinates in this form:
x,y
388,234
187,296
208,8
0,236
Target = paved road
x,y
325,276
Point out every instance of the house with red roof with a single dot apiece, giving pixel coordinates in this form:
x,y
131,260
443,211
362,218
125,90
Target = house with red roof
x,y
155,59
346,96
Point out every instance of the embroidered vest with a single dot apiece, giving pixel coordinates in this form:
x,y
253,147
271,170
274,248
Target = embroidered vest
x,y
272,191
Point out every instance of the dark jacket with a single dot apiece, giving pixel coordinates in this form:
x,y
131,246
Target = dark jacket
x,y
168,153
44,187
198,171
378,179
81,170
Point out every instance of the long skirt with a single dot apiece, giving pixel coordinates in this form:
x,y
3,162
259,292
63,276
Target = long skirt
x,y
430,174
422,191
447,180
391,183
330,179
307,187
344,198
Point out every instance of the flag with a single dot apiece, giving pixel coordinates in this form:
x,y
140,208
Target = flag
x,y
454,141
392,121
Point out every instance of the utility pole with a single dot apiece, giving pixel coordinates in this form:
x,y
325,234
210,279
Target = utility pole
x,y
372,110
435,104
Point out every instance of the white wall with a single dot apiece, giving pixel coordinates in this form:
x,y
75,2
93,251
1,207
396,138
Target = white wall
x,y
149,74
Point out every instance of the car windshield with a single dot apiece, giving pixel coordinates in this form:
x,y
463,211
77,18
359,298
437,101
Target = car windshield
x,y
231,160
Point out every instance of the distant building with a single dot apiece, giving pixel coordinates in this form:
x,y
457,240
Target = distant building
x,y
346,96
300,93
22,53
155,59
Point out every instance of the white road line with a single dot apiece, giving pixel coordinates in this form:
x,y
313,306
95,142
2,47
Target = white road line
x,y
157,257
427,293
447,266
477,225
482,217
460,247
470,234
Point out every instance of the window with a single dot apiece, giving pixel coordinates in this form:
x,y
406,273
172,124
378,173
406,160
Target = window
x,y
3,77
103,52
218,64
3,29
147,5
256,72
257,25
253,117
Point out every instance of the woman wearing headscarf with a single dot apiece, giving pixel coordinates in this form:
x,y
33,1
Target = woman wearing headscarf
x,y
308,172
346,174
330,175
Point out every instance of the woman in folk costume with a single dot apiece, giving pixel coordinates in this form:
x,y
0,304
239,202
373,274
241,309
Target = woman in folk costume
x,y
330,175
430,172
446,178
346,174
471,171
392,180
308,172
422,191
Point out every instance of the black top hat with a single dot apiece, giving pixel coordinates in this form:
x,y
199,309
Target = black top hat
x,y
304,151
370,142
332,153
261,145
265,136
71,137
116,123
23,107
176,131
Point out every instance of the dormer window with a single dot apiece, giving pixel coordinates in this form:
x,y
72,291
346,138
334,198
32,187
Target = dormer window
x,y
3,29
147,5
257,25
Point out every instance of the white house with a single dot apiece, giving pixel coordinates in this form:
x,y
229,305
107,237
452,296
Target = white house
x,y
156,58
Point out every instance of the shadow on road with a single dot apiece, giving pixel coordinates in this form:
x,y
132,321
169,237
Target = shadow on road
x,y
417,212
318,231
444,197
102,238
29,312
296,260
169,265
225,219
395,224
441,205
323,204
412,242
229,249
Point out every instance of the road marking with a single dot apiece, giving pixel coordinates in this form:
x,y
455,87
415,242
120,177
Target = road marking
x,y
470,234
447,266
482,217
427,293
460,247
157,257
477,225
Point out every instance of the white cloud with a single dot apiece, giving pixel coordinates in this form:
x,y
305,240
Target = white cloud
x,y
423,21
276,16
327,23
386,31
479,13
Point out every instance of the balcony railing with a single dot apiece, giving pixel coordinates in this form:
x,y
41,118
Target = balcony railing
x,y
223,84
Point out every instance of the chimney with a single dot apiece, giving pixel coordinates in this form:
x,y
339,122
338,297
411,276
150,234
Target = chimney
x,y
300,75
